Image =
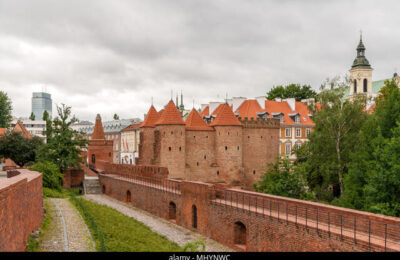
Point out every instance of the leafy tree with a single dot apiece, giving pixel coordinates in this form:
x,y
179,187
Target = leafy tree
x,y
371,183
116,117
283,179
32,116
5,110
18,148
64,144
292,91
52,178
338,123
49,127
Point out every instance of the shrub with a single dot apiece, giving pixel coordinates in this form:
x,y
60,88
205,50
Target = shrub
x,y
51,175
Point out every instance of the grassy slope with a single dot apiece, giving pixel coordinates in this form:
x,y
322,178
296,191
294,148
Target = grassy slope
x,y
125,234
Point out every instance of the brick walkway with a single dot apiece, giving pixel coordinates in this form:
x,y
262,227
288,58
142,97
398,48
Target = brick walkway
x,y
67,232
171,231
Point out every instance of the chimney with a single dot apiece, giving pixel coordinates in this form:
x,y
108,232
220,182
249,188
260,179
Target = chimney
x,y
237,101
261,101
292,103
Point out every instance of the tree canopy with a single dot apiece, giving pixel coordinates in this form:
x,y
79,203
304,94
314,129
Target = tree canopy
x,y
63,143
18,148
291,91
116,117
32,116
5,110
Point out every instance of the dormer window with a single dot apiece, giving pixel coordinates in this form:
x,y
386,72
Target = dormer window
x,y
297,119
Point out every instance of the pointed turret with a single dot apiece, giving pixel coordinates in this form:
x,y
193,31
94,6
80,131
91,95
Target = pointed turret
x,y
195,122
98,132
361,61
170,115
225,117
151,118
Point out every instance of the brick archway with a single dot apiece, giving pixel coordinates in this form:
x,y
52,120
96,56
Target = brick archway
x,y
240,234
172,211
128,197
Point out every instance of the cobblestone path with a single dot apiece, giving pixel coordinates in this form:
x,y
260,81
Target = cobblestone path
x,y
66,230
173,232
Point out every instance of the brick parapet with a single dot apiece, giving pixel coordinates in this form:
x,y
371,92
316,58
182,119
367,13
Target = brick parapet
x,y
21,209
272,223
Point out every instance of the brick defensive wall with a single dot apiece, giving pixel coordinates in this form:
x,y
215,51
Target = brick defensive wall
x,y
251,221
21,208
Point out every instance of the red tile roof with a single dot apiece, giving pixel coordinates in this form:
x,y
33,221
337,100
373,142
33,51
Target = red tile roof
x,y
205,112
2,131
170,116
131,127
98,132
19,127
151,118
250,107
225,117
195,122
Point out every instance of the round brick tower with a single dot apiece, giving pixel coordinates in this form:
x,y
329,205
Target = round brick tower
x,y
228,145
170,141
146,146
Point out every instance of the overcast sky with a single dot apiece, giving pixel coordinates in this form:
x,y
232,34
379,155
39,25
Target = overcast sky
x,y
112,56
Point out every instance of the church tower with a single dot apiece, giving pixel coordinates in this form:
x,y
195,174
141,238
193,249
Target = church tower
x,y
360,73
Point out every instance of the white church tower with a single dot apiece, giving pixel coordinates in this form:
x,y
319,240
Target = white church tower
x,y
361,73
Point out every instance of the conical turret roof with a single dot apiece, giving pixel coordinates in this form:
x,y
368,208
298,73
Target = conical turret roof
x,y
98,132
170,115
151,118
226,117
195,122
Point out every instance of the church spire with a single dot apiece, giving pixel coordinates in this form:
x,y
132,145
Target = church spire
x,y
361,61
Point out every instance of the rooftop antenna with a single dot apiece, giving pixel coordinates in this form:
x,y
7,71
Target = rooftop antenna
x,y
226,98
193,103
152,100
171,94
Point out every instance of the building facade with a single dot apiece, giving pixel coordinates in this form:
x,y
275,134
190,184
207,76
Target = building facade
x,y
130,137
41,102
34,127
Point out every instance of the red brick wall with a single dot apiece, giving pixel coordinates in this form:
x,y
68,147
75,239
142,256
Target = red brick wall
x,y
103,151
270,221
200,156
73,178
172,149
146,146
21,209
136,170
228,153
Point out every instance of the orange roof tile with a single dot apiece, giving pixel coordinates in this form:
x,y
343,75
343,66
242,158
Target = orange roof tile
x,y
205,112
19,127
225,117
249,109
195,122
151,118
131,127
170,116
98,132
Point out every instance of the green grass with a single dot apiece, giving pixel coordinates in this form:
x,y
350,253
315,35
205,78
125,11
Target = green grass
x,y
62,193
122,233
33,243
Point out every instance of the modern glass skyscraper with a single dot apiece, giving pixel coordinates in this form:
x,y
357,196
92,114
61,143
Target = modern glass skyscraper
x,y
40,102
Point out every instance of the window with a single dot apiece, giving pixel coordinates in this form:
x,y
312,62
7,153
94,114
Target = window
x,y
288,132
169,148
254,171
355,86
93,158
288,148
308,131
281,118
180,148
365,85
226,148
298,132
297,119
297,145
